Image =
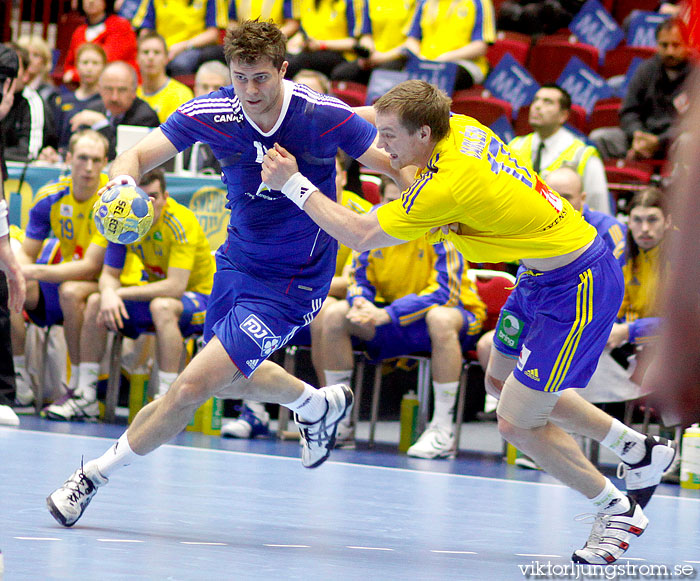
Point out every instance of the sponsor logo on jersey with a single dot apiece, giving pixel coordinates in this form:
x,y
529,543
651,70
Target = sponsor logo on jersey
x,y
509,329
261,334
228,118
66,210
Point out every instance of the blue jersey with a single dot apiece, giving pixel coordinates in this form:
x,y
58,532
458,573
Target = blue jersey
x,y
612,231
269,238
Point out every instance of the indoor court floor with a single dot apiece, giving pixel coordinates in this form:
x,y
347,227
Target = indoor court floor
x,y
206,508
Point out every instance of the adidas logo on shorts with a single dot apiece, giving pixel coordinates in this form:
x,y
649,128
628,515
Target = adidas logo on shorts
x,y
533,374
252,363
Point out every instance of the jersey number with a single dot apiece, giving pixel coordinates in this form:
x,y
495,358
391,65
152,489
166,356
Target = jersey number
x,y
510,165
67,231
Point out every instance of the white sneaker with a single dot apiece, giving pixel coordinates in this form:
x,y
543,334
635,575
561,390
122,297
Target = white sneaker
x,y
318,438
67,503
643,477
7,416
610,536
345,436
75,408
436,442
247,425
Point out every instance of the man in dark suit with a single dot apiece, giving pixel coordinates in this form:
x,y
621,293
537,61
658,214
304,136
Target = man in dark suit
x,y
10,273
120,105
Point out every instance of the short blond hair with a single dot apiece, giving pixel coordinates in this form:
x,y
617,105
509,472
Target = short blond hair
x,y
417,103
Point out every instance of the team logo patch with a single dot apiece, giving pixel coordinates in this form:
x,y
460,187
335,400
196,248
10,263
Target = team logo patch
x,y
523,357
66,211
261,334
509,329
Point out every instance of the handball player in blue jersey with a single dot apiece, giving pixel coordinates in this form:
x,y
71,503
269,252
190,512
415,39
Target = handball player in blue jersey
x,y
274,269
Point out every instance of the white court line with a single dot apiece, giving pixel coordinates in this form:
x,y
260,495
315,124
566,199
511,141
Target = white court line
x,y
288,546
119,541
203,543
369,548
38,539
454,552
694,562
334,463
535,555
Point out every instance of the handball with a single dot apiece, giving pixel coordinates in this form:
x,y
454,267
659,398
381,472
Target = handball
x,y
123,214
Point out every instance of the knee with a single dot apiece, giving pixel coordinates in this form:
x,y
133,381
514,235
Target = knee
x,y
334,319
185,393
163,309
93,306
443,324
70,292
511,432
493,386
483,349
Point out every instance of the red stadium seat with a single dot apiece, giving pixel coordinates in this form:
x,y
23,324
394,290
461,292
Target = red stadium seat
x,y
624,179
618,60
371,191
483,109
354,94
550,55
622,8
606,113
518,46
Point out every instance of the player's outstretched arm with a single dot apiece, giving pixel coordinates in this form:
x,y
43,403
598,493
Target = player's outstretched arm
x,y
358,231
153,150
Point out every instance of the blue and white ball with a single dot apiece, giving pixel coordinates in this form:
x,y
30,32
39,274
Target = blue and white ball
x,y
123,214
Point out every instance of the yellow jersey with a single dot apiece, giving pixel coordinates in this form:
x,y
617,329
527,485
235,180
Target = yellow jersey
x,y
445,25
504,210
57,213
356,204
328,19
276,10
176,240
387,21
641,285
167,99
413,278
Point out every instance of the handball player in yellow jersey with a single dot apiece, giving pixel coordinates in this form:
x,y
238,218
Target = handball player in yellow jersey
x,y
470,190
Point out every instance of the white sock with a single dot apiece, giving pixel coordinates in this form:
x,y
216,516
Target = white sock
x,y
74,374
445,395
611,500
88,373
165,380
119,455
310,405
20,364
628,444
336,377
23,383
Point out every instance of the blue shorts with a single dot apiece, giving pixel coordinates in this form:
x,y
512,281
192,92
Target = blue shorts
x,y
252,320
392,340
557,323
191,321
48,311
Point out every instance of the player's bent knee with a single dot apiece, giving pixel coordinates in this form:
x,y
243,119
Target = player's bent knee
x,y
523,408
493,386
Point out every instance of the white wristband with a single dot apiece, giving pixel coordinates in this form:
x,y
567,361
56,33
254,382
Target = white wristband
x,y
124,179
298,189
4,223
